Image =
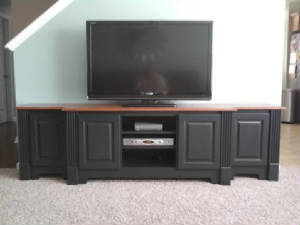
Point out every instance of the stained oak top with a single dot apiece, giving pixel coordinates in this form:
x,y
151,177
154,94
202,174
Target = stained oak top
x,y
120,108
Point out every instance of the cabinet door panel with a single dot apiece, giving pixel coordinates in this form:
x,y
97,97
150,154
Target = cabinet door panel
x,y
199,141
99,141
250,133
47,130
196,130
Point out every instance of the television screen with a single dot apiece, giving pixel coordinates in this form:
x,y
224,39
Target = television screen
x,y
149,60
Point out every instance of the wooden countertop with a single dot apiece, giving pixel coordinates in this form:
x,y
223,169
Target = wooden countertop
x,y
120,108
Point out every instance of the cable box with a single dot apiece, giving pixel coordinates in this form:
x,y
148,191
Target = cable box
x,y
147,126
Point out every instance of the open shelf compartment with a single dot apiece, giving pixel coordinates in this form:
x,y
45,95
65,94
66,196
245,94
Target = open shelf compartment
x,y
149,156
169,123
136,157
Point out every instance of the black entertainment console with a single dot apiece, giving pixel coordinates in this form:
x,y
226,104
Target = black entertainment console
x,y
81,142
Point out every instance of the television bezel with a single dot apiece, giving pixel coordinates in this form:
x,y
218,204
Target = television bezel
x,y
92,95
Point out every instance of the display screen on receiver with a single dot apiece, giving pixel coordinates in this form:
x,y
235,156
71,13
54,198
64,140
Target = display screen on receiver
x,y
149,60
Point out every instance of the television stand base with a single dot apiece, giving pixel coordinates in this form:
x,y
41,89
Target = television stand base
x,y
149,103
210,142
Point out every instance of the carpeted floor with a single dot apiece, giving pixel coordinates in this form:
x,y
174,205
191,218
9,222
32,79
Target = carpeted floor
x,y
247,201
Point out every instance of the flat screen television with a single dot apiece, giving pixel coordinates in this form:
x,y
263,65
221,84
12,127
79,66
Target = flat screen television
x,y
149,60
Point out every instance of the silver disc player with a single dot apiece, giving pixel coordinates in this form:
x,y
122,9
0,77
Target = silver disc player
x,y
148,141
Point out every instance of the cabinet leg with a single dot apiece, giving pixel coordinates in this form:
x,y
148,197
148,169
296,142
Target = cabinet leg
x,y
214,179
225,175
25,171
82,180
273,172
35,176
72,176
64,175
262,175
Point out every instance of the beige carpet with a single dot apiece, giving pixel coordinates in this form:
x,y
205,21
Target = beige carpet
x,y
247,201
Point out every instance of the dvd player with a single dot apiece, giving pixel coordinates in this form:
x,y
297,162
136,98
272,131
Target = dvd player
x,y
148,141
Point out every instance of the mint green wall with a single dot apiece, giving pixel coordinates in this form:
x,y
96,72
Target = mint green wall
x,y
50,67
